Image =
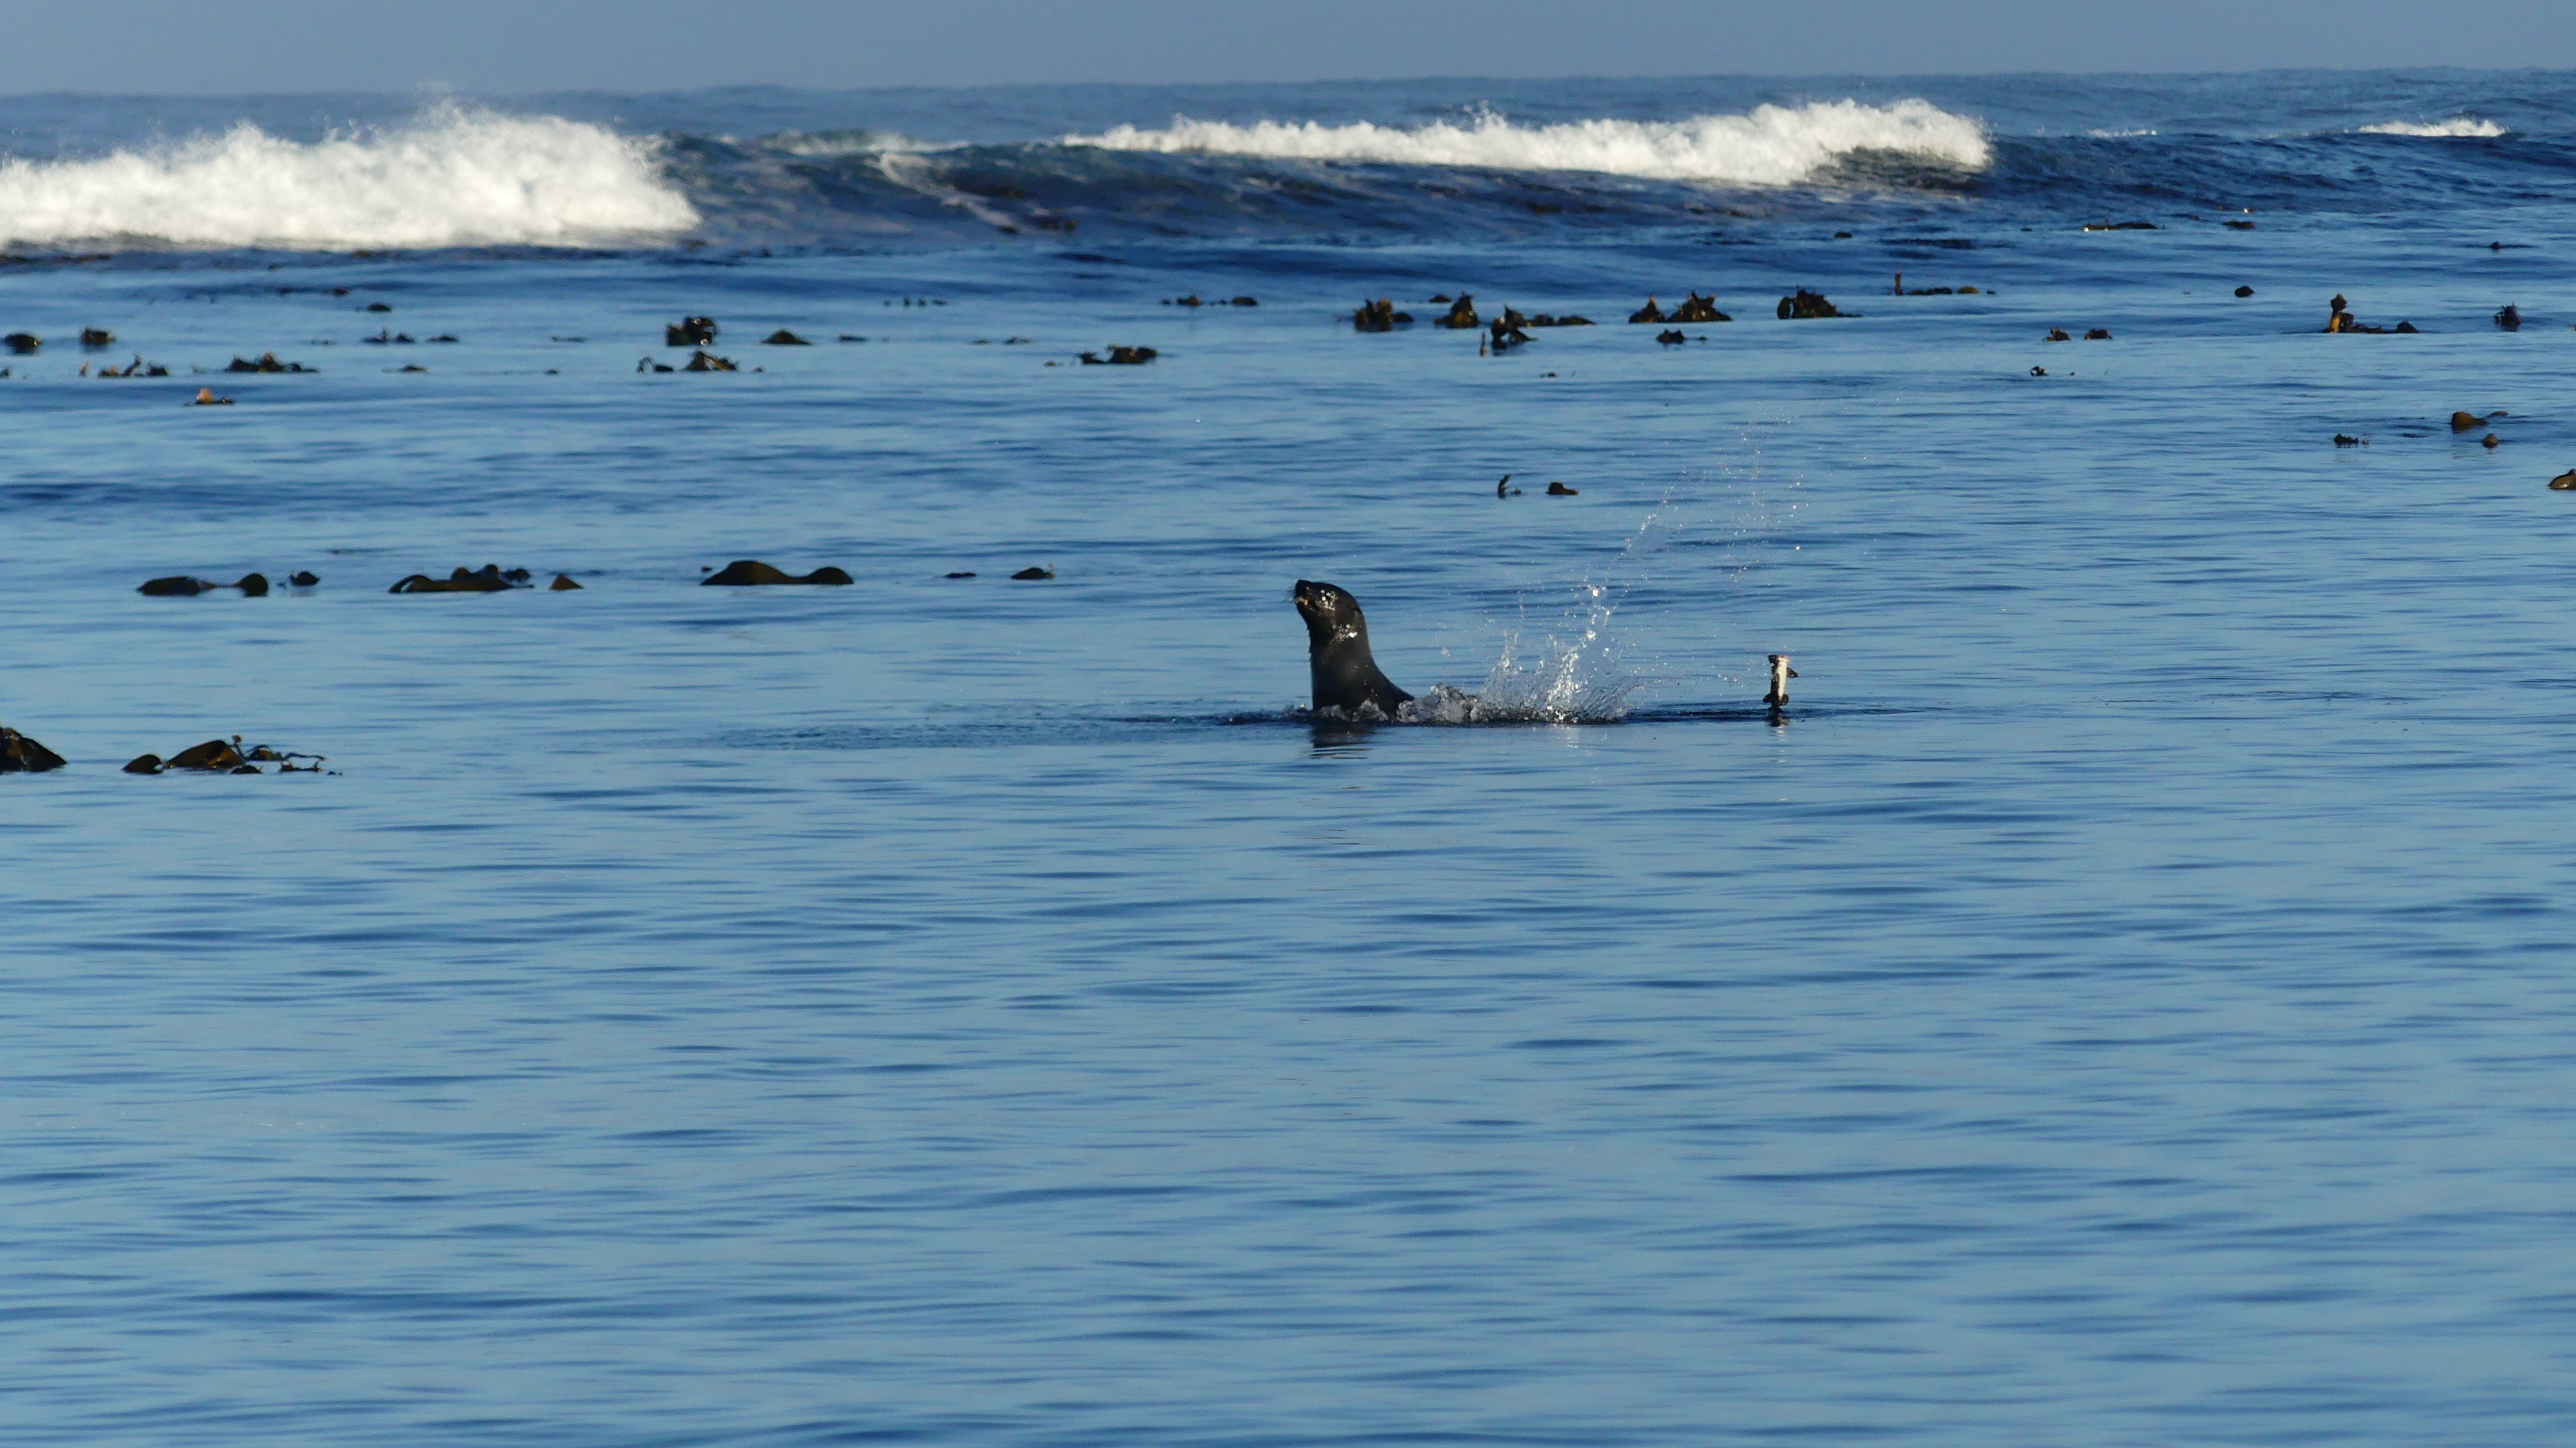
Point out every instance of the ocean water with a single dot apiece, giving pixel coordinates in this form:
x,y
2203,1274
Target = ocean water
x,y
2123,999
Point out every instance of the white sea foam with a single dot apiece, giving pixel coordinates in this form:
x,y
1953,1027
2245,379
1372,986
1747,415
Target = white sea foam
x,y
456,177
1770,146
912,172
2455,126
830,145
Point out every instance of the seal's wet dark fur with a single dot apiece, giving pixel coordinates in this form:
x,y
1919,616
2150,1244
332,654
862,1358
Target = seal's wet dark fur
x,y
1337,649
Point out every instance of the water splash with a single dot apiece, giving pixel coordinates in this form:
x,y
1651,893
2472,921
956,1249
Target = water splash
x,y
1570,675
1572,671
1575,669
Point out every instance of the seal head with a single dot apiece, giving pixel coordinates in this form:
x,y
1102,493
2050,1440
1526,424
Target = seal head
x,y
1337,650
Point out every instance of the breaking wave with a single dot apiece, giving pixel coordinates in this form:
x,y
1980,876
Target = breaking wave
x,y
2455,126
1768,146
454,178
861,142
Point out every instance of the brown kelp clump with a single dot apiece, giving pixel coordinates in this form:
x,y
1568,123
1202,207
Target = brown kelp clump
x,y
22,755
226,756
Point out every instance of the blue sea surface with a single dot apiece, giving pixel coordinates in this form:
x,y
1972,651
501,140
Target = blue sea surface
x,y
2122,999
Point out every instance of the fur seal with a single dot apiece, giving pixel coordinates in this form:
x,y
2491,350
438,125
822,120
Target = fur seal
x,y
490,578
752,571
252,585
1337,652
471,583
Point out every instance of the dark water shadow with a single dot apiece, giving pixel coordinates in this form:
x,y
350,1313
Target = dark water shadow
x,y
1325,731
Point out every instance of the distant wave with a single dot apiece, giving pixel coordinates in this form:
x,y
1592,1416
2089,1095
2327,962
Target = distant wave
x,y
2455,126
454,178
1769,146
821,145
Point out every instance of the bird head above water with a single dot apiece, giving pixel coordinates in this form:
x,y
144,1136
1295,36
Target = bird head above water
x,y
1781,674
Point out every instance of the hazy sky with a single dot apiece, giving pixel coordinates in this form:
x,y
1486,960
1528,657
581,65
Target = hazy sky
x,y
499,46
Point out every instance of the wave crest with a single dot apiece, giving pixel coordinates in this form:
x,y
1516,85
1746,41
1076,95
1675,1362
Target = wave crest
x,y
2455,126
864,141
454,178
1768,146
